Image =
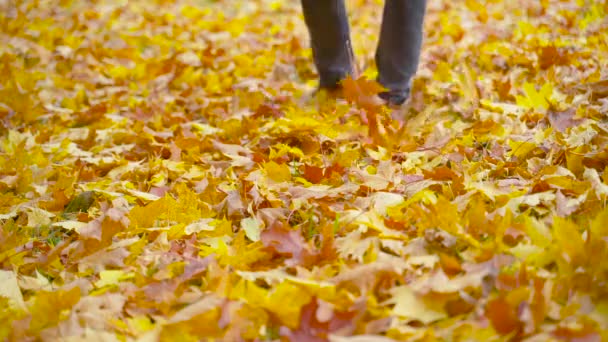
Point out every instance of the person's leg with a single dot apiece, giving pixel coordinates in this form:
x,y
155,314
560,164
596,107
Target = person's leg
x,y
330,39
399,47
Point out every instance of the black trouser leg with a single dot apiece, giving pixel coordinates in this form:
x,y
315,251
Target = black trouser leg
x,y
399,46
330,39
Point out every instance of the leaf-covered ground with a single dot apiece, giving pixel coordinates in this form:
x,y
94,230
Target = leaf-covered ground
x,y
165,175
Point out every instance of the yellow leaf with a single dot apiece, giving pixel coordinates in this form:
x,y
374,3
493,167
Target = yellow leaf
x,y
569,240
249,292
215,245
599,225
199,226
443,73
277,172
533,99
280,150
146,216
574,160
251,226
70,225
47,306
207,303
142,195
414,306
112,277
520,149
537,231
141,323
38,217
601,189
167,210
276,5
9,288
205,129
286,301
385,200
189,58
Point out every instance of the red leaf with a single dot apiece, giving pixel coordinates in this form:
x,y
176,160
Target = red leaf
x,y
313,174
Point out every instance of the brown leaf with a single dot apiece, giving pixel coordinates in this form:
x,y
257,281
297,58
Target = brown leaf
x,y
313,174
564,119
440,173
598,89
57,202
312,329
551,55
289,243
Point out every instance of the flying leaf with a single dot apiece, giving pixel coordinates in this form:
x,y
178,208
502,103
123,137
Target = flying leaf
x,y
361,91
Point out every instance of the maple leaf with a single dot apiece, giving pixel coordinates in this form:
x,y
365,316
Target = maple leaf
x,y
361,91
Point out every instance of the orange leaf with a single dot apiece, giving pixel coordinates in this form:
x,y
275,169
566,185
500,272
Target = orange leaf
x,y
313,174
362,92
502,316
440,173
450,264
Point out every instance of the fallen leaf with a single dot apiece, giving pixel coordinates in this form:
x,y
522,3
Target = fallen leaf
x,y
9,288
251,227
414,306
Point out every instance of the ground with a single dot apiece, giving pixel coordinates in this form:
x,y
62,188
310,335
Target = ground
x,y
165,174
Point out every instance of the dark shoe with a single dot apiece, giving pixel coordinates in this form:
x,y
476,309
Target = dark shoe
x,y
331,80
393,99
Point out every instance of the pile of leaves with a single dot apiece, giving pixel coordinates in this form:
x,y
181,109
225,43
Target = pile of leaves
x,y
165,175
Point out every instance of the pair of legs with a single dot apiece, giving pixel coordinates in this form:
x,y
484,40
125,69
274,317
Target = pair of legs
x,y
398,50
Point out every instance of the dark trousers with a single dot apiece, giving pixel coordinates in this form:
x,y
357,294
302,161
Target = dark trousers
x,y
398,48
